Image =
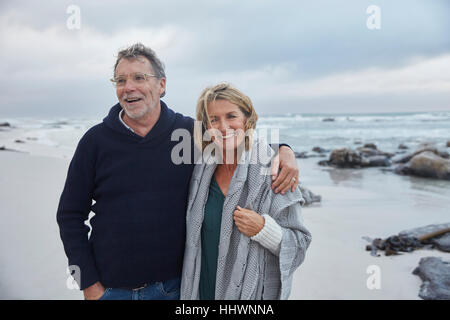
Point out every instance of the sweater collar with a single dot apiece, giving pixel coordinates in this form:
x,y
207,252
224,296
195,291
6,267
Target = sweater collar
x,y
162,126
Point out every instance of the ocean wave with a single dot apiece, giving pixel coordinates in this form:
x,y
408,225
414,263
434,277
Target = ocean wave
x,y
387,117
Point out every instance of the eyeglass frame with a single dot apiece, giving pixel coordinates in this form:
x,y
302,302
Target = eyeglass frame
x,y
147,75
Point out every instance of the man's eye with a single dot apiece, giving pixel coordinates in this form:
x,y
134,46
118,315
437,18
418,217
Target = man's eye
x,y
120,81
139,78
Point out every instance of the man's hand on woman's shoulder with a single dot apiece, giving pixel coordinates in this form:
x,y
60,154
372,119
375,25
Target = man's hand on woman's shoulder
x,y
287,178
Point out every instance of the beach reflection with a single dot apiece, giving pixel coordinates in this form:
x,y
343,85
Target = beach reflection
x,y
339,176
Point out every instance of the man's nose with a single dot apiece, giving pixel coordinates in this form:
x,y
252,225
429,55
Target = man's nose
x,y
129,86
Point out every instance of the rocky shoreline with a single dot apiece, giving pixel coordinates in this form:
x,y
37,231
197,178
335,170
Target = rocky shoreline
x,y
433,271
426,161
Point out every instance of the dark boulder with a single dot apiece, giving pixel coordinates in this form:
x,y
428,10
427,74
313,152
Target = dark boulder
x,y
402,169
305,155
441,241
345,158
309,196
370,146
301,155
429,237
320,150
444,154
376,161
404,158
435,274
428,164
367,152
362,157
393,245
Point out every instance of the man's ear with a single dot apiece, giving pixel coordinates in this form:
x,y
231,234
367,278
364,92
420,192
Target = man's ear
x,y
162,83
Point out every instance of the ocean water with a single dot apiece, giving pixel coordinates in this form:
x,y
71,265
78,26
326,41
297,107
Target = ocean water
x,y
386,130
301,131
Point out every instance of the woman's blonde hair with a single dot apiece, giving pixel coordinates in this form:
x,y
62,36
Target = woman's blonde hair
x,y
224,91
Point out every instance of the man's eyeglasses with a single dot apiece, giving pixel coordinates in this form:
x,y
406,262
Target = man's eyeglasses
x,y
137,77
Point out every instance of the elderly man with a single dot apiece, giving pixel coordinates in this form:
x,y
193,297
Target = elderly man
x,y
135,249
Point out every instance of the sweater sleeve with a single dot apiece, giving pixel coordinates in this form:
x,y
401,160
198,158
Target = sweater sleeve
x,y
295,241
286,211
73,210
270,235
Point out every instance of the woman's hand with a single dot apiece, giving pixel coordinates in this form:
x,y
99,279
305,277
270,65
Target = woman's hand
x,y
248,221
288,177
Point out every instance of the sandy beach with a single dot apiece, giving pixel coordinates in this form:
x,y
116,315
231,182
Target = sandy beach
x,y
32,259
355,203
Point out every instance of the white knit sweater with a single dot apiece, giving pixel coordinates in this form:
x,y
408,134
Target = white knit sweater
x,y
270,235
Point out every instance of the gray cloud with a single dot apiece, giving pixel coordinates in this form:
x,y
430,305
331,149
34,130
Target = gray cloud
x,y
257,45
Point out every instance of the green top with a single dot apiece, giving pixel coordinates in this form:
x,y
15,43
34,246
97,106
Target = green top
x,y
210,240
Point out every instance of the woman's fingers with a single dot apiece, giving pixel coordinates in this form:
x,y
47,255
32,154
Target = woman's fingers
x,y
248,221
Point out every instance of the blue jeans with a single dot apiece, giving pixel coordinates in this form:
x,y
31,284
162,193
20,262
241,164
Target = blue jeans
x,y
165,290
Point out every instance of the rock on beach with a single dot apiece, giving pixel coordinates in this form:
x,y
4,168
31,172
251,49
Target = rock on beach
x,y
435,274
309,196
428,164
366,156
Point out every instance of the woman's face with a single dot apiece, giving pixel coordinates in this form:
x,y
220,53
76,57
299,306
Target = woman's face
x,y
227,126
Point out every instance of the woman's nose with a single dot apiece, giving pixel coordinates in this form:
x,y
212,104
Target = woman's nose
x,y
223,126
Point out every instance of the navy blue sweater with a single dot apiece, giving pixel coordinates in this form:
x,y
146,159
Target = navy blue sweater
x,y
138,231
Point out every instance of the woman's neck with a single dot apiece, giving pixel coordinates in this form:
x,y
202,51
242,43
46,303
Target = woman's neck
x,y
227,168
231,158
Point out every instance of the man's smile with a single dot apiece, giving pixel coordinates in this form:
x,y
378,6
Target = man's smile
x,y
131,100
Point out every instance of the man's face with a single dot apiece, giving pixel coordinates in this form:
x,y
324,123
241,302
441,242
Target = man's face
x,y
138,99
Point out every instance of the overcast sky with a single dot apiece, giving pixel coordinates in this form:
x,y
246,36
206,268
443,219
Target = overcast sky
x,y
288,56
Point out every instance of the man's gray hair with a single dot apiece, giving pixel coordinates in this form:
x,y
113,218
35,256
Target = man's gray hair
x,y
138,49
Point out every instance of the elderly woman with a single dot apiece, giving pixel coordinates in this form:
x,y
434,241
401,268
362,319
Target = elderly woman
x,y
243,241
